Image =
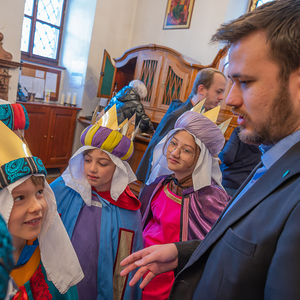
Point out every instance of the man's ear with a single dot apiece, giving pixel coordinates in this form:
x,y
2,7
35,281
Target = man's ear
x,y
202,90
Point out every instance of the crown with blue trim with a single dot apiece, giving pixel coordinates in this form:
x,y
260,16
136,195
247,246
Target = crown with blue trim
x,y
212,114
16,160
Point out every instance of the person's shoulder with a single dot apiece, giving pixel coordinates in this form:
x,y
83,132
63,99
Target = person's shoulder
x,y
214,190
58,183
60,188
128,200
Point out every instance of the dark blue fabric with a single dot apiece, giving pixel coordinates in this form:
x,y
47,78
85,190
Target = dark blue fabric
x,y
238,160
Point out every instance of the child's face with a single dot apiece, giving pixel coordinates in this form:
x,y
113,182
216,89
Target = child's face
x,y
99,169
182,154
28,211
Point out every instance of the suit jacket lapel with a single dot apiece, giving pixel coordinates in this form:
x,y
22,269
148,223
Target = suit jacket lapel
x,y
268,182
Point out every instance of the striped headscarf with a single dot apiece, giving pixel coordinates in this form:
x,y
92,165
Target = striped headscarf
x,y
109,140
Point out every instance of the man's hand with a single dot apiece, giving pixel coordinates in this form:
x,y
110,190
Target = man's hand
x,y
155,259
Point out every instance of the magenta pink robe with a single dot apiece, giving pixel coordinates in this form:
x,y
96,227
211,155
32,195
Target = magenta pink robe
x,y
167,221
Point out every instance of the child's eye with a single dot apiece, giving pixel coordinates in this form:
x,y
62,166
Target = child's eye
x,y
173,143
19,198
40,192
87,160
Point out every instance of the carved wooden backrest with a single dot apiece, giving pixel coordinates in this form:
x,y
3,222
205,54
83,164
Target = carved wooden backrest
x,y
5,63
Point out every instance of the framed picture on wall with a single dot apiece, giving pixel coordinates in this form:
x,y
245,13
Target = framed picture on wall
x,y
178,14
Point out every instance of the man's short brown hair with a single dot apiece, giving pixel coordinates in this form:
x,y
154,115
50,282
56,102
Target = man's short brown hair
x,y
280,20
204,77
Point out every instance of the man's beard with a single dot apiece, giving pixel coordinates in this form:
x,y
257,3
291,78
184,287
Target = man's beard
x,y
280,123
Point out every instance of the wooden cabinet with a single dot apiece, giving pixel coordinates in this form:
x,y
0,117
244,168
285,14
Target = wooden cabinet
x,y
51,132
165,72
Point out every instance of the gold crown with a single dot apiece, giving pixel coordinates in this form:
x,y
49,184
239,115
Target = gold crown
x,y
12,147
212,114
109,119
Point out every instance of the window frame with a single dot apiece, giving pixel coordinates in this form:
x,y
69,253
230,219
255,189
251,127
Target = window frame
x,y
29,56
253,4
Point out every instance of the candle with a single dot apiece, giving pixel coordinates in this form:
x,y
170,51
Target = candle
x,y
68,98
74,99
62,99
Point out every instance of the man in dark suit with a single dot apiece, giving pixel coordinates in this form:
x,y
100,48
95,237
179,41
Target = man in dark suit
x,y
210,84
252,251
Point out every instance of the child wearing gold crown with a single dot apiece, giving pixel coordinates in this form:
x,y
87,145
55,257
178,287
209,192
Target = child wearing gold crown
x,y
46,263
100,212
183,197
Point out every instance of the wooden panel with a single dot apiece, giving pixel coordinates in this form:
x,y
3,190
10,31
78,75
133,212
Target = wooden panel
x,y
173,84
37,133
154,114
61,134
140,145
51,132
148,71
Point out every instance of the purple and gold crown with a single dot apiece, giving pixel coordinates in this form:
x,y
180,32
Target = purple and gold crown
x,y
107,135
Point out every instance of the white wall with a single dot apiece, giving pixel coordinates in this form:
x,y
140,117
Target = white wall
x,y
11,19
193,42
112,30
75,49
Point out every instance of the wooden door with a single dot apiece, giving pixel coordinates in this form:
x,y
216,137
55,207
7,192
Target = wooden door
x,y
107,77
173,84
61,135
148,70
37,133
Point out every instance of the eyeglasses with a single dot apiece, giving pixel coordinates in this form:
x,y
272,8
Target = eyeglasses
x,y
184,153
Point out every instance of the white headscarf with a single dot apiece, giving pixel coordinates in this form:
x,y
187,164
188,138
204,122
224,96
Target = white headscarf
x,y
57,254
75,179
